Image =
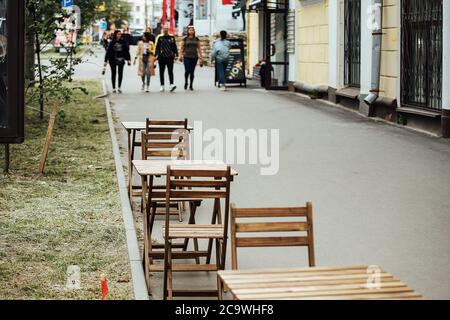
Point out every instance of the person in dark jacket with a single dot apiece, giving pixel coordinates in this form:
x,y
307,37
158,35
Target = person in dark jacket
x,y
126,36
166,53
117,55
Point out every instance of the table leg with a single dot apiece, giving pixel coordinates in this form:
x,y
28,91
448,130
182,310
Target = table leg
x,y
147,242
130,164
144,193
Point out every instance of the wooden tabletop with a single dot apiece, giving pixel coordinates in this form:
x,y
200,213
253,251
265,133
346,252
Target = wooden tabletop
x,y
159,167
140,125
326,283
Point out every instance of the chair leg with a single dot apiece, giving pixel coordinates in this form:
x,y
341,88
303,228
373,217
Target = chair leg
x,y
196,248
166,271
218,264
219,289
192,209
152,216
213,221
170,273
180,211
146,260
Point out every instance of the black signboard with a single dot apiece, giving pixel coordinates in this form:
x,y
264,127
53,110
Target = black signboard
x,y
236,64
12,30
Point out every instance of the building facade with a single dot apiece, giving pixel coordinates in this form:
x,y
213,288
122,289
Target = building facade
x,y
212,16
145,13
387,59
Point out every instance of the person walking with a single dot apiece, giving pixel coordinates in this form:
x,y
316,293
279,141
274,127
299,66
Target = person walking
x,y
166,53
150,31
117,55
190,55
221,53
106,39
126,35
146,54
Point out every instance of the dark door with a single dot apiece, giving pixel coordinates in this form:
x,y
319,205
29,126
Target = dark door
x,y
422,54
352,49
277,68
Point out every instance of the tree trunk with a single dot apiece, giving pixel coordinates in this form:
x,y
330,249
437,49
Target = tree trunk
x,y
41,79
29,48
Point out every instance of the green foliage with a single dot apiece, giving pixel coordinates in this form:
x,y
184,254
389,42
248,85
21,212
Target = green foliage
x,y
116,12
55,83
44,17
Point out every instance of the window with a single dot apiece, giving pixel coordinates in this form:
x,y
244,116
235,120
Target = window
x,y
352,53
138,8
138,21
422,54
202,9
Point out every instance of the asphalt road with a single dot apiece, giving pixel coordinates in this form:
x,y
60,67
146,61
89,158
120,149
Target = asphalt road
x,y
381,194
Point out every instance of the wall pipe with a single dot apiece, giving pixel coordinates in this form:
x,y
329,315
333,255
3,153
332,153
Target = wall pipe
x,y
377,35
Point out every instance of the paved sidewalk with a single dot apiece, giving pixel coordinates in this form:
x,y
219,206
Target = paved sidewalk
x,y
381,194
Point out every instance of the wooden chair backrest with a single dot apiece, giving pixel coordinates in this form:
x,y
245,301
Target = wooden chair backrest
x,y
194,182
304,226
167,126
164,145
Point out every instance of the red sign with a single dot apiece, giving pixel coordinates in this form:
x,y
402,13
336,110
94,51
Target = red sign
x,y
172,17
164,13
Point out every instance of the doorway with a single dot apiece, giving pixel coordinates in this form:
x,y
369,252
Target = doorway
x,y
275,49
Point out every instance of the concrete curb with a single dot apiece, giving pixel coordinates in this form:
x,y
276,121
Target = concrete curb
x,y
137,271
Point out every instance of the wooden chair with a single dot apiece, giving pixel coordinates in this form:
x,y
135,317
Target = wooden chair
x,y
158,126
211,184
165,146
304,224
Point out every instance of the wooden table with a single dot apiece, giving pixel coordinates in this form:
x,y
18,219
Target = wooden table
x,y
148,168
324,283
132,127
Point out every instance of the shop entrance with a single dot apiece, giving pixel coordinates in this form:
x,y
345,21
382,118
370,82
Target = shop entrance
x,y
275,44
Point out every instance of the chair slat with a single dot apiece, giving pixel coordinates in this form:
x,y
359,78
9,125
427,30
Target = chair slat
x,y
162,136
213,194
271,242
159,144
272,227
175,130
196,183
166,153
166,123
270,212
192,172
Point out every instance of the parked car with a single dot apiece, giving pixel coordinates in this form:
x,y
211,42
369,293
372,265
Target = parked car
x,y
136,36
